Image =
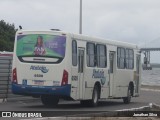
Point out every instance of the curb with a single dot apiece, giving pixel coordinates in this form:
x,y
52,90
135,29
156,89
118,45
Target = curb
x,y
121,113
118,113
153,90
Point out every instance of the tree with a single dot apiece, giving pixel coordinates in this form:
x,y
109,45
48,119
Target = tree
x,y
7,36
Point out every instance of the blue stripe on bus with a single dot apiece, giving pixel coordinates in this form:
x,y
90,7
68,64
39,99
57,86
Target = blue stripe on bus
x,y
39,90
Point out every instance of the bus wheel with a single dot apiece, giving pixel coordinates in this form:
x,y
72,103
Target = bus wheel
x,y
95,95
49,101
127,99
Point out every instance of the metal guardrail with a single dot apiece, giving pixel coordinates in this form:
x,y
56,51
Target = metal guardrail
x,y
5,76
5,79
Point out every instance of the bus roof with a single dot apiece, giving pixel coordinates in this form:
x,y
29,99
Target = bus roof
x,y
84,37
106,41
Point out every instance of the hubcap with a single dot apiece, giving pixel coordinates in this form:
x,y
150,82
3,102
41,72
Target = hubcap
x,y
95,96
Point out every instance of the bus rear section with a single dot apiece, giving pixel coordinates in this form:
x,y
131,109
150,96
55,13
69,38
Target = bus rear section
x,y
39,67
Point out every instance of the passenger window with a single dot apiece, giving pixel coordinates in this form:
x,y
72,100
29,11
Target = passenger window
x,y
121,58
91,55
101,56
74,53
125,58
131,59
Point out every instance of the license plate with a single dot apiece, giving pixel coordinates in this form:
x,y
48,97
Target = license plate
x,y
39,82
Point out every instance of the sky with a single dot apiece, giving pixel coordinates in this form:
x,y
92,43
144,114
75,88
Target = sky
x,y
134,21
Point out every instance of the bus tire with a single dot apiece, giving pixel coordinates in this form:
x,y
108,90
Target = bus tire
x,y
127,99
49,101
94,101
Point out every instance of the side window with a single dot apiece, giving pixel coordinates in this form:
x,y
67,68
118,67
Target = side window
x,y
74,53
118,57
91,55
129,59
121,58
101,56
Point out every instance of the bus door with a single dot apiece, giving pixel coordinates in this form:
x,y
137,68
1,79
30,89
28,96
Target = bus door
x,y
111,72
137,73
81,72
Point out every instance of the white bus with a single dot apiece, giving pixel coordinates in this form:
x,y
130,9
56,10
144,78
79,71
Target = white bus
x,y
57,65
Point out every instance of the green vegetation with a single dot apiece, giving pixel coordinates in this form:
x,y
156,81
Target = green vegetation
x,y
7,34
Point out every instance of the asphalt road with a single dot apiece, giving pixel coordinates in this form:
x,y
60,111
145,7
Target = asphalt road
x,y
74,107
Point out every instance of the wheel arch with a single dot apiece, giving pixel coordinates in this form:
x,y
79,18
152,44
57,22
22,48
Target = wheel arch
x,y
99,87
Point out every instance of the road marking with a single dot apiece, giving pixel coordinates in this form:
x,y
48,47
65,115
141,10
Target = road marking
x,y
153,90
134,109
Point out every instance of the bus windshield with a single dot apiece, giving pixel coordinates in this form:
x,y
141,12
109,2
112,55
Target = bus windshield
x,y
40,45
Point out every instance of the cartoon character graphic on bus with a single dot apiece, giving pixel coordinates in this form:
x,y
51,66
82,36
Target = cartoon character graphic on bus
x,y
39,47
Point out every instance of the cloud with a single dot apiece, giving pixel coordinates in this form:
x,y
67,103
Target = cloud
x,y
131,21
40,14
134,21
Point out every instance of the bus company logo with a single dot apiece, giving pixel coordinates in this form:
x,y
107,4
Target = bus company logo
x,y
99,74
42,68
103,80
